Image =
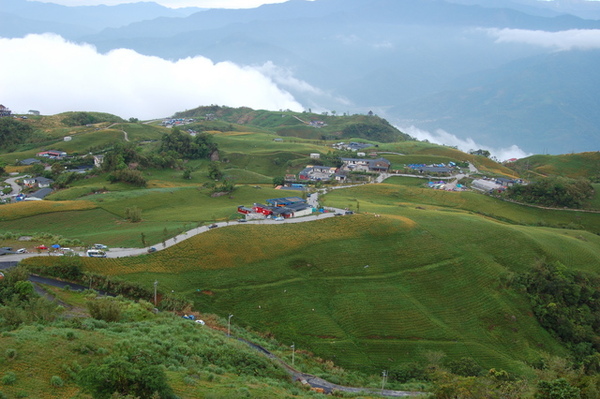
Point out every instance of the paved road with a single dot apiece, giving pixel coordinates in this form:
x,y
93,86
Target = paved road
x,y
16,189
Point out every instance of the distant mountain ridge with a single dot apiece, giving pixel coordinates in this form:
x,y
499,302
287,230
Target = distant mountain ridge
x,y
72,22
404,59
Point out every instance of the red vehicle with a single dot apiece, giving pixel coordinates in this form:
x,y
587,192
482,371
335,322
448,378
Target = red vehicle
x,y
41,247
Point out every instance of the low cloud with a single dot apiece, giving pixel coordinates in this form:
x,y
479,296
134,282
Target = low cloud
x,y
442,137
582,39
52,75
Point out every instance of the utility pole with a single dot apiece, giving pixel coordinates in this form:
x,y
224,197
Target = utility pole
x,y
293,352
155,284
384,376
229,325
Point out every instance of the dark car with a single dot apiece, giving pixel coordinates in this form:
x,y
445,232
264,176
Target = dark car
x,y
349,213
151,249
212,226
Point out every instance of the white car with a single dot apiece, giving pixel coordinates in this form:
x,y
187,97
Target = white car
x,y
21,251
100,246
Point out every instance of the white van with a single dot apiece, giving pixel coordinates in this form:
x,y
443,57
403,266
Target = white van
x,y
95,253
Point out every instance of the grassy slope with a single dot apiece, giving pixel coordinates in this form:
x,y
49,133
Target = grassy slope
x,y
435,275
47,351
584,164
434,281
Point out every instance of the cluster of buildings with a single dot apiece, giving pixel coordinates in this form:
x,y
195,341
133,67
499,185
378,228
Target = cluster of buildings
x,y
277,208
176,122
495,184
52,154
352,146
440,169
329,173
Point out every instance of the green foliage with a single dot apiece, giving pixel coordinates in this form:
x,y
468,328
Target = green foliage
x,y
566,302
15,285
199,147
9,378
214,172
382,132
131,176
11,353
64,267
557,389
126,376
409,372
553,192
86,118
56,381
465,366
107,309
13,133
133,214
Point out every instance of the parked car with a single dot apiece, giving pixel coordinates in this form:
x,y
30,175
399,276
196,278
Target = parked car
x,y
95,253
349,213
212,226
242,220
22,251
99,246
151,249
41,247
279,218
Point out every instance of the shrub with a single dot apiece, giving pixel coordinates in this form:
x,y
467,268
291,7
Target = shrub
x,y
106,309
56,381
466,367
11,353
9,378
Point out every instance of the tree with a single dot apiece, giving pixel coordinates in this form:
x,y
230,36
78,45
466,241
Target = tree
x,y
278,181
13,133
214,172
126,376
133,214
557,389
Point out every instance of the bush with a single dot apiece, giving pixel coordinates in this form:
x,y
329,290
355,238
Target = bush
x,y
9,378
466,367
56,381
106,309
11,353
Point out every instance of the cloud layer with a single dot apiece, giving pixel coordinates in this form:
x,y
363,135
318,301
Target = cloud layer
x,y
582,39
49,74
465,145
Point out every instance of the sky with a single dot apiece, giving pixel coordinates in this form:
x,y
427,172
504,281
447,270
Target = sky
x,y
175,3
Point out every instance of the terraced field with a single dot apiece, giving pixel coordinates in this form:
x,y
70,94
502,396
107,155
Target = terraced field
x,y
372,292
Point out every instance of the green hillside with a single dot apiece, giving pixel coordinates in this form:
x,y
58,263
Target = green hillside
x,y
586,164
415,274
434,282
293,124
78,356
